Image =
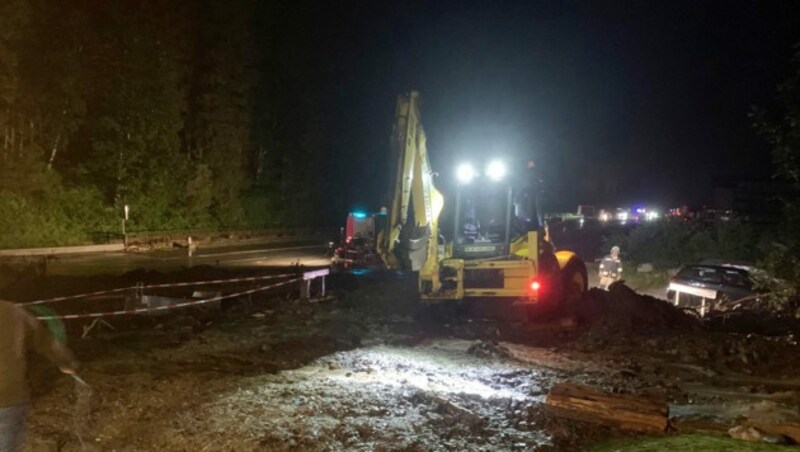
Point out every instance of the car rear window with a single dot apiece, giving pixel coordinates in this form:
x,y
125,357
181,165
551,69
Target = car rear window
x,y
736,278
704,274
716,275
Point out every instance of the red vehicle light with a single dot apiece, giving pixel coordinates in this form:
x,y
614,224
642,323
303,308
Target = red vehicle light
x,y
535,286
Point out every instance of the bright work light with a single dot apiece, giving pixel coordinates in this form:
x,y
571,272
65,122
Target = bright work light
x,y
496,170
465,173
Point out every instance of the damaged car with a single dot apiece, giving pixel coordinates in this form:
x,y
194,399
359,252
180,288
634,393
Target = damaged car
x,y
713,286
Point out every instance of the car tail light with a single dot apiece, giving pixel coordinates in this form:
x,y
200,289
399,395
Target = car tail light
x,y
535,286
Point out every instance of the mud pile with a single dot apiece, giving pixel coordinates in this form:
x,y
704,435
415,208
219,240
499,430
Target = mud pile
x,y
621,310
622,322
378,294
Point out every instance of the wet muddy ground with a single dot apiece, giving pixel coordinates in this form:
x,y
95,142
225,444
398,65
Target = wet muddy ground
x,y
370,370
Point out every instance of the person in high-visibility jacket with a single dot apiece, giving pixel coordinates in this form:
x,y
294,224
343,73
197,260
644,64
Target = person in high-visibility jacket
x,y
610,269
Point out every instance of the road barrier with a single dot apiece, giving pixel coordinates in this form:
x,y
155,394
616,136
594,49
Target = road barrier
x,y
185,304
168,238
60,250
303,278
155,286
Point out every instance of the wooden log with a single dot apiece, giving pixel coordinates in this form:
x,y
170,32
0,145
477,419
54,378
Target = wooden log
x,y
624,411
790,429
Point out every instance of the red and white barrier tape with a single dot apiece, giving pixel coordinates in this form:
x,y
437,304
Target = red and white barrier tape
x,y
156,286
169,307
216,281
74,297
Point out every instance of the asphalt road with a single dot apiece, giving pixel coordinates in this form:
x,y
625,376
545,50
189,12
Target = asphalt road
x,y
241,254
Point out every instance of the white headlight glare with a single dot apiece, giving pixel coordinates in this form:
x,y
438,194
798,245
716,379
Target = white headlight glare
x,y
465,173
496,170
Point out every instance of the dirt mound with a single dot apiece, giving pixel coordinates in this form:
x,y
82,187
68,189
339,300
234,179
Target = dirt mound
x,y
378,293
621,310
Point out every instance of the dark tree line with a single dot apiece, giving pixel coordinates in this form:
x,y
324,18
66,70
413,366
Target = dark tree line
x,y
781,128
195,114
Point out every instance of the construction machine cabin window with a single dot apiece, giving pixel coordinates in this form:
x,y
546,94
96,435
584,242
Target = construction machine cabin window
x,y
490,216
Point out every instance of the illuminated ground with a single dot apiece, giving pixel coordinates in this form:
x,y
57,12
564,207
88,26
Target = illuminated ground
x,y
370,372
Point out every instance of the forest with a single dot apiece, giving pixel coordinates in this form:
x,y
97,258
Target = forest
x,y
196,115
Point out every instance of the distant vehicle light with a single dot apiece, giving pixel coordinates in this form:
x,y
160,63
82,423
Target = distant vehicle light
x,y
359,215
604,216
496,170
465,173
622,216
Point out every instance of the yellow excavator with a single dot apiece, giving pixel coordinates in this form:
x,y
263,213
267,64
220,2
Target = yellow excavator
x,y
498,246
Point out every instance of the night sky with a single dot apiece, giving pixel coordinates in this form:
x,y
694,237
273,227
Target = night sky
x,y
647,99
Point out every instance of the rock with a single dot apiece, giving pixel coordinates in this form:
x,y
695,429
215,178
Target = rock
x,y
488,349
746,433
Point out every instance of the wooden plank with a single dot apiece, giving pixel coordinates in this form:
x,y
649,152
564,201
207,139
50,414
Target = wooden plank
x,y
624,411
790,429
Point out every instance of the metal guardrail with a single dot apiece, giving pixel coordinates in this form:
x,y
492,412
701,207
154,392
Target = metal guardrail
x,y
61,250
164,236
111,242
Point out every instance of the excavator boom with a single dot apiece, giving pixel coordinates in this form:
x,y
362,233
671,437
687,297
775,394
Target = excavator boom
x,y
410,238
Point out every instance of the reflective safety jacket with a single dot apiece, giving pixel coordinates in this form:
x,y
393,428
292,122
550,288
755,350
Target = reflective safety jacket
x,y
611,267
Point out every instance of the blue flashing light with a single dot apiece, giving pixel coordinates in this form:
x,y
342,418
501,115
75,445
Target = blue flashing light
x,y
359,215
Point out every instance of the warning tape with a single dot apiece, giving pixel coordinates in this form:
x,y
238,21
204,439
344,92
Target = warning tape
x,y
168,307
156,286
73,297
216,281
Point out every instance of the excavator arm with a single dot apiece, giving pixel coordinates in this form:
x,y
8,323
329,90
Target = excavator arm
x,y
410,240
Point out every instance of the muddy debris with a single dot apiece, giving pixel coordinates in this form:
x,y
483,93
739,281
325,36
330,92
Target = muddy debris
x,y
489,350
621,310
369,372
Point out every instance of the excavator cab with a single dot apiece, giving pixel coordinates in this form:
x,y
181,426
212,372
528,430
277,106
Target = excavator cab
x,y
490,216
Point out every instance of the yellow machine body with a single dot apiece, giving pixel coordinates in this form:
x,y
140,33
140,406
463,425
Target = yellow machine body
x,y
441,276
